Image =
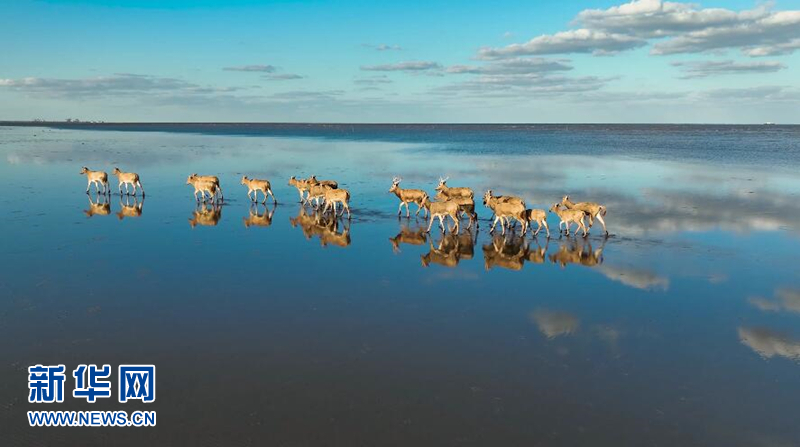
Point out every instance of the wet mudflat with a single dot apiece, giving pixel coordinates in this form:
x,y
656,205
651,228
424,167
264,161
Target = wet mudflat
x,y
270,324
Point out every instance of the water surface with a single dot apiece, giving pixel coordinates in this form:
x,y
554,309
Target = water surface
x,y
269,326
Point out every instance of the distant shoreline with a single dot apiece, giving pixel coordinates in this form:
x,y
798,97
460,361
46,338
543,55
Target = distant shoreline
x,y
88,124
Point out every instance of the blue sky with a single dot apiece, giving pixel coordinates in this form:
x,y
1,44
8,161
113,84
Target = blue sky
x,y
413,61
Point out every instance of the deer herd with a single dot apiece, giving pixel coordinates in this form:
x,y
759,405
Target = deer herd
x,y
327,200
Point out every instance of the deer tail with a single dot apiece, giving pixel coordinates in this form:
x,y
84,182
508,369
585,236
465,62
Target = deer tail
x,y
602,210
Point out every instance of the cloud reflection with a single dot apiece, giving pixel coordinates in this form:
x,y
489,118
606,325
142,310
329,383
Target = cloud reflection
x,y
768,343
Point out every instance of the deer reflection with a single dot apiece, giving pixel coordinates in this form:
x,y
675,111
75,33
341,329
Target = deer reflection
x,y
452,248
99,207
207,215
127,209
578,251
508,253
258,219
326,227
417,236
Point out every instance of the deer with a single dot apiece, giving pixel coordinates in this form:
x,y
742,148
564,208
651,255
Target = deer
x,y
98,208
202,187
258,219
316,193
442,210
406,196
302,186
408,236
489,200
593,210
504,212
209,179
334,196
256,185
568,217
329,183
128,210
206,216
96,178
450,193
540,217
128,178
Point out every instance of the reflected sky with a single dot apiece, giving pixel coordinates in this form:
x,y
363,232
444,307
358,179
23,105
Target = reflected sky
x,y
679,329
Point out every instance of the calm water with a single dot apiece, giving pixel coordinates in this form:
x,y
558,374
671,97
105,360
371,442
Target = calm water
x,y
682,328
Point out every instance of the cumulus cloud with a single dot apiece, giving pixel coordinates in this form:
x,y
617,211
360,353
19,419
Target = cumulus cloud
x,y
514,66
702,69
682,28
282,77
252,68
117,84
516,85
755,34
373,81
410,66
761,94
768,343
575,41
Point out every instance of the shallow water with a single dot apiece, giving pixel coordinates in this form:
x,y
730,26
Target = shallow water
x,y
270,327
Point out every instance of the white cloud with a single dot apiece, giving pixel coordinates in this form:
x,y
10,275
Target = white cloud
x,y
702,69
252,68
682,28
575,41
117,84
410,66
282,77
383,47
514,66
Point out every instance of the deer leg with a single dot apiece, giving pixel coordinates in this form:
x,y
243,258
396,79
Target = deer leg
x,y
603,223
399,210
430,224
140,187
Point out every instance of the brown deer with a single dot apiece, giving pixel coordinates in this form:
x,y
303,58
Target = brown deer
x,y
450,193
334,196
568,217
406,196
211,179
442,210
540,217
203,187
256,185
128,178
96,178
302,186
593,210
